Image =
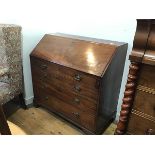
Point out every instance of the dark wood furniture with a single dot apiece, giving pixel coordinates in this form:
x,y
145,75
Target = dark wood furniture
x,y
78,78
4,128
137,115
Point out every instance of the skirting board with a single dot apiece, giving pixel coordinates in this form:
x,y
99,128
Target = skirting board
x,y
29,101
117,118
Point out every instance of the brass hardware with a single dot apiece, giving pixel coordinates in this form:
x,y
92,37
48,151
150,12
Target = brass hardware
x,y
146,89
141,114
77,88
76,101
44,66
97,84
149,132
77,77
76,114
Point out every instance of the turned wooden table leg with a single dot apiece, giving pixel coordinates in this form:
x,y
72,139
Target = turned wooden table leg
x,y
4,128
128,98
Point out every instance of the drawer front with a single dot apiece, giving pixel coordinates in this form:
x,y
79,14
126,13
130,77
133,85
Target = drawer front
x,y
140,124
52,71
147,76
63,87
83,117
144,102
73,99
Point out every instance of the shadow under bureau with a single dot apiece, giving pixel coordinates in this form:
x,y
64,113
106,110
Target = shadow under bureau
x,y
78,78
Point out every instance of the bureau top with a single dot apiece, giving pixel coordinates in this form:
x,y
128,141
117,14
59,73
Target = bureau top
x,y
88,55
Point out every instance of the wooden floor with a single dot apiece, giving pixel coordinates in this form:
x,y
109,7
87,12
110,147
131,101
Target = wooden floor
x,y
38,121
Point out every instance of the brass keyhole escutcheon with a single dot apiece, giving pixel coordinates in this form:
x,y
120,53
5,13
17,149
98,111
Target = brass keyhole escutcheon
x,y
77,88
77,77
76,114
76,101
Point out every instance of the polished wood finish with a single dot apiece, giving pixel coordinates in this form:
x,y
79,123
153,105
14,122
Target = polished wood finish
x,y
140,40
74,77
4,128
83,54
139,125
128,98
140,118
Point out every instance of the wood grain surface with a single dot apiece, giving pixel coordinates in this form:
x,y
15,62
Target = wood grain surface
x,y
87,56
38,121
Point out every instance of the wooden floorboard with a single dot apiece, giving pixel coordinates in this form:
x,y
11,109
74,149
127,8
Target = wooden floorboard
x,y
38,121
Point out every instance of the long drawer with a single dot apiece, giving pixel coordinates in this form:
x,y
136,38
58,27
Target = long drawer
x,y
144,102
62,87
52,71
82,117
140,124
147,76
70,98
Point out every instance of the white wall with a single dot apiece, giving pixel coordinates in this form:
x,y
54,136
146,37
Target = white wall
x,y
86,18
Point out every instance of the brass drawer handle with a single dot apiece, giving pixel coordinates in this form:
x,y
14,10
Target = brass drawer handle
x,y
76,114
76,101
149,132
77,88
44,67
77,77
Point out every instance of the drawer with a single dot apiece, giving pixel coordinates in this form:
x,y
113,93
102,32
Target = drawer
x,y
73,99
139,125
147,76
144,102
63,87
52,71
83,117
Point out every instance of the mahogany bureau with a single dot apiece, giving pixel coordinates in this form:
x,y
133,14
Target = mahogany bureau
x,y
78,78
137,116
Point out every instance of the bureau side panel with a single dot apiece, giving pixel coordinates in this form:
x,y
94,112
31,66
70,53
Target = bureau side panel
x,y
110,88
